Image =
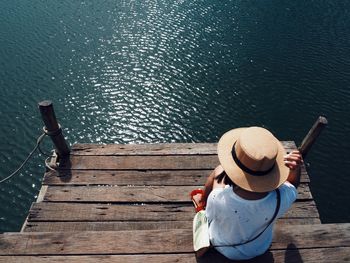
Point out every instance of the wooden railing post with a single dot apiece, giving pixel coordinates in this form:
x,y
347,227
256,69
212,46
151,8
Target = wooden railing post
x,y
312,135
53,129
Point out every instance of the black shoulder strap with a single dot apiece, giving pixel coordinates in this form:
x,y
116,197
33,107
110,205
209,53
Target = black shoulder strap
x,y
270,222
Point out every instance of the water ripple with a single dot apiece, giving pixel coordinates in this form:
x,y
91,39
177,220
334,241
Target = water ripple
x,y
173,71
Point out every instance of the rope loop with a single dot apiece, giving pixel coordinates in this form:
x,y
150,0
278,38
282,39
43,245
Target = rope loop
x,y
53,133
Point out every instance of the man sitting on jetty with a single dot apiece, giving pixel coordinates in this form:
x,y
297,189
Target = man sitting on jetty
x,y
242,203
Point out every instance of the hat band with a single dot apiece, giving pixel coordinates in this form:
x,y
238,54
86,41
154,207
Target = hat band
x,y
245,168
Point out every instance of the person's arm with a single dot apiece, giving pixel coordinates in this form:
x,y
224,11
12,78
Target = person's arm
x,y
293,161
211,183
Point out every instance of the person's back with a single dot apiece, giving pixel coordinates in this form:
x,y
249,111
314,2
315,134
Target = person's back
x,y
240,194
234,220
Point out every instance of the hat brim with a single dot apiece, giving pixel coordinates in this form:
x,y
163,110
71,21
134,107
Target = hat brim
x,y
266,183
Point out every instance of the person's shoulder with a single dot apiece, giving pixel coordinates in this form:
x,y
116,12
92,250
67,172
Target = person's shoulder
x,y
289,190
287,185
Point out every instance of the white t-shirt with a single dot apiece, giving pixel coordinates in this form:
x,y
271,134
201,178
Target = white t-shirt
x,y
234,220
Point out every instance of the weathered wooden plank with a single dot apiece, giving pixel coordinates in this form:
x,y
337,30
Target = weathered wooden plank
x,y
42,193
316,255
153,149
122,194
305,209
109,212
169,258
141,162
304,177
105,226
134,194
290,254
304,192
156,241
320,235
96,242
38,226
145,149
133,177
75,212
122,177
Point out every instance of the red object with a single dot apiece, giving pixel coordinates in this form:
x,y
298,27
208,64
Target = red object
x,y
197,206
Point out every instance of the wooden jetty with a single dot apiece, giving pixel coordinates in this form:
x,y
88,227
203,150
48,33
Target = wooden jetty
x,y
130,203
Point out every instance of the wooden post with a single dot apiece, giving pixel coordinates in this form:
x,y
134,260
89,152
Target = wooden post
x,y
53,129
311,137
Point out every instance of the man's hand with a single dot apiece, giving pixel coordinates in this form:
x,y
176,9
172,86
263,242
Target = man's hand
x,y
293,160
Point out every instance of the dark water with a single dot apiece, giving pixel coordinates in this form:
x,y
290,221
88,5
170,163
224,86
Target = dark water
x,y
174,71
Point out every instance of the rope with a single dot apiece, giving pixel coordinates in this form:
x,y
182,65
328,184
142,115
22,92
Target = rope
x,y
44,153
47,164
53,133
38,141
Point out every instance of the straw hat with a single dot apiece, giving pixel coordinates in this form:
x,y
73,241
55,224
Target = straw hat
x,y
253,159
